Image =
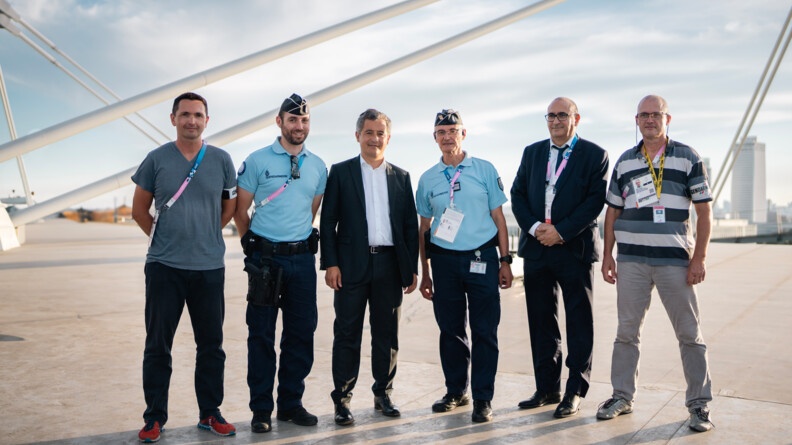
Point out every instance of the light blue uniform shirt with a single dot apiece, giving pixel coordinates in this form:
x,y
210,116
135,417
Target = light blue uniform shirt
x,y
288,217
480,191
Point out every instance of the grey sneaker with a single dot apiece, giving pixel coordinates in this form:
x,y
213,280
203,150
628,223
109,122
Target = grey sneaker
x,y
700,420
613,407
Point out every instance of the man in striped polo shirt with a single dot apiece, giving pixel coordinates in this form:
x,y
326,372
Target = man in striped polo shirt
x,y
648,216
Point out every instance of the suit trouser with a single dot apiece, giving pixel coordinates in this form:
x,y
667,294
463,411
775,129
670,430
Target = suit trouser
x,y
559,270
298,305
382,290
634,286
167,291
458,295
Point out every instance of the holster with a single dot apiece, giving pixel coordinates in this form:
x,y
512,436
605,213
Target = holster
x,y
313,240
265,279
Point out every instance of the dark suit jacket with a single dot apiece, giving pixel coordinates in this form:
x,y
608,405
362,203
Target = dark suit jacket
x,y
579,199
344,229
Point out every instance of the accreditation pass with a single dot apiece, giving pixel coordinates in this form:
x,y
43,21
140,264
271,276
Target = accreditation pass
x,y
645,193
449,225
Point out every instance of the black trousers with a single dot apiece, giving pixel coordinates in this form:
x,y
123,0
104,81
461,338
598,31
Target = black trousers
x,y
558,270
167,291
382,291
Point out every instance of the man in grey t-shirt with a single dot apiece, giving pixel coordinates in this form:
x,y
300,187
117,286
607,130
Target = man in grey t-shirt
x,y
193,188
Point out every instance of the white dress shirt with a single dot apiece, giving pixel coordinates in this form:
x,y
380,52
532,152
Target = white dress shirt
x,y
555,151
375,187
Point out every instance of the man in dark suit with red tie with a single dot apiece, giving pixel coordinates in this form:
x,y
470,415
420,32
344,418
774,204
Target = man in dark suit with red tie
x,y
369,244
557,196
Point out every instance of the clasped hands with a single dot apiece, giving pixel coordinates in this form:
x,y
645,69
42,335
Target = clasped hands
x,y
548,235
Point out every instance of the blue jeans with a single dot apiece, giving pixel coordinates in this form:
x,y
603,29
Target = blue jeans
x,y
459,295
167,291
298,304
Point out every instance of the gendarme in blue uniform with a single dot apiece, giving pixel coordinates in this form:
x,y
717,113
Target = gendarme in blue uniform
x,y
480,192
288,217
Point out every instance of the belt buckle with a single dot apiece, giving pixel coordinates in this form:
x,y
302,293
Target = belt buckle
x,y
373,250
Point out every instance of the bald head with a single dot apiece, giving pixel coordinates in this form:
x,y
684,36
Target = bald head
x,y
565,102
656,100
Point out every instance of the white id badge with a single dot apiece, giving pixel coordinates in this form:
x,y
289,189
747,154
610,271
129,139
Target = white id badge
x,y
478,267
549,197
659,214
449,225
645,193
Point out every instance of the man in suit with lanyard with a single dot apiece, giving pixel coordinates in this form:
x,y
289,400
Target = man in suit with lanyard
x,y
285,183
369,233
460,202
557,196
193,187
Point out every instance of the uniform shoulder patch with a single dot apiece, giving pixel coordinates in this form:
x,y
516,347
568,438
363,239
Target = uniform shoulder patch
x,y
500,183
241,170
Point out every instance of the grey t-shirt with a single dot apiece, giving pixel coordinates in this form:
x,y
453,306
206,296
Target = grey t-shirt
x,y
188,235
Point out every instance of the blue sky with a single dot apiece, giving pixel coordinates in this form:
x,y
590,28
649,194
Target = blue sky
x,y
704,56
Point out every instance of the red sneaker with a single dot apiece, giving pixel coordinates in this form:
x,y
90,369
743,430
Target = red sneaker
x,y
217,425
151,432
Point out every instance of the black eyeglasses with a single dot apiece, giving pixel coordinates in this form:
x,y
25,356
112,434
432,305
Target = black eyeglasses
x,y
295,167
452,132
644,116
562,117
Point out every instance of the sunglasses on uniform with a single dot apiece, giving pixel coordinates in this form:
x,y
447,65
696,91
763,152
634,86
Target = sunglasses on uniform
x,y
295,167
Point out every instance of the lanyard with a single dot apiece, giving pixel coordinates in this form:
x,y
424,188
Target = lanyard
x,y
178,193
657,178
552,179
277,193
187,180
451,182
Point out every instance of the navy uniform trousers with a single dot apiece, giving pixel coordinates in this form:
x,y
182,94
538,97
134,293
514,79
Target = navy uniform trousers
x,y
298,305
457,291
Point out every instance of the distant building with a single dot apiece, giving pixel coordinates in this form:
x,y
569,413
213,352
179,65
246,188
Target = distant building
x,y
748,183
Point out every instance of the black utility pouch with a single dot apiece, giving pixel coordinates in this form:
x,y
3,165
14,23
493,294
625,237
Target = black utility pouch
x,y
313,240
264,282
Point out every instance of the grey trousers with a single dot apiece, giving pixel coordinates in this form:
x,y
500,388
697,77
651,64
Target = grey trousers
x,y
634,287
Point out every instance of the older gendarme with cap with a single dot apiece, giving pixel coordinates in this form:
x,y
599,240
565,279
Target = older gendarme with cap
x,y
284,182
463,230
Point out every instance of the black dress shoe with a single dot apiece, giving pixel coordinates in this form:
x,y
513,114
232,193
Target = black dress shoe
x,y
298,416
540,399
482,411
569,406
343,416
449,402
386,405
262,422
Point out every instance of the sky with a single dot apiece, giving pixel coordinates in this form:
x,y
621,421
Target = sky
x,y
705,57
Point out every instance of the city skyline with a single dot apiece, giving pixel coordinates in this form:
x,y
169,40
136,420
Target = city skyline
x,y
749,183
704,57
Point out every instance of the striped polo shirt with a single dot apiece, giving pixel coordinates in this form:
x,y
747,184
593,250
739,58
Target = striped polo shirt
x,y
638,237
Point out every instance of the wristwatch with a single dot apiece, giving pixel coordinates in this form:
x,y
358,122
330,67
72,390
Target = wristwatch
x,y
506,259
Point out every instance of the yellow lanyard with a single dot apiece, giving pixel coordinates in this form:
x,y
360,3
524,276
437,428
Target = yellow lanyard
x,y
657,178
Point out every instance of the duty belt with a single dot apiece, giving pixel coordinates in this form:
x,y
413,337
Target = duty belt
x,y
286,248
434,248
